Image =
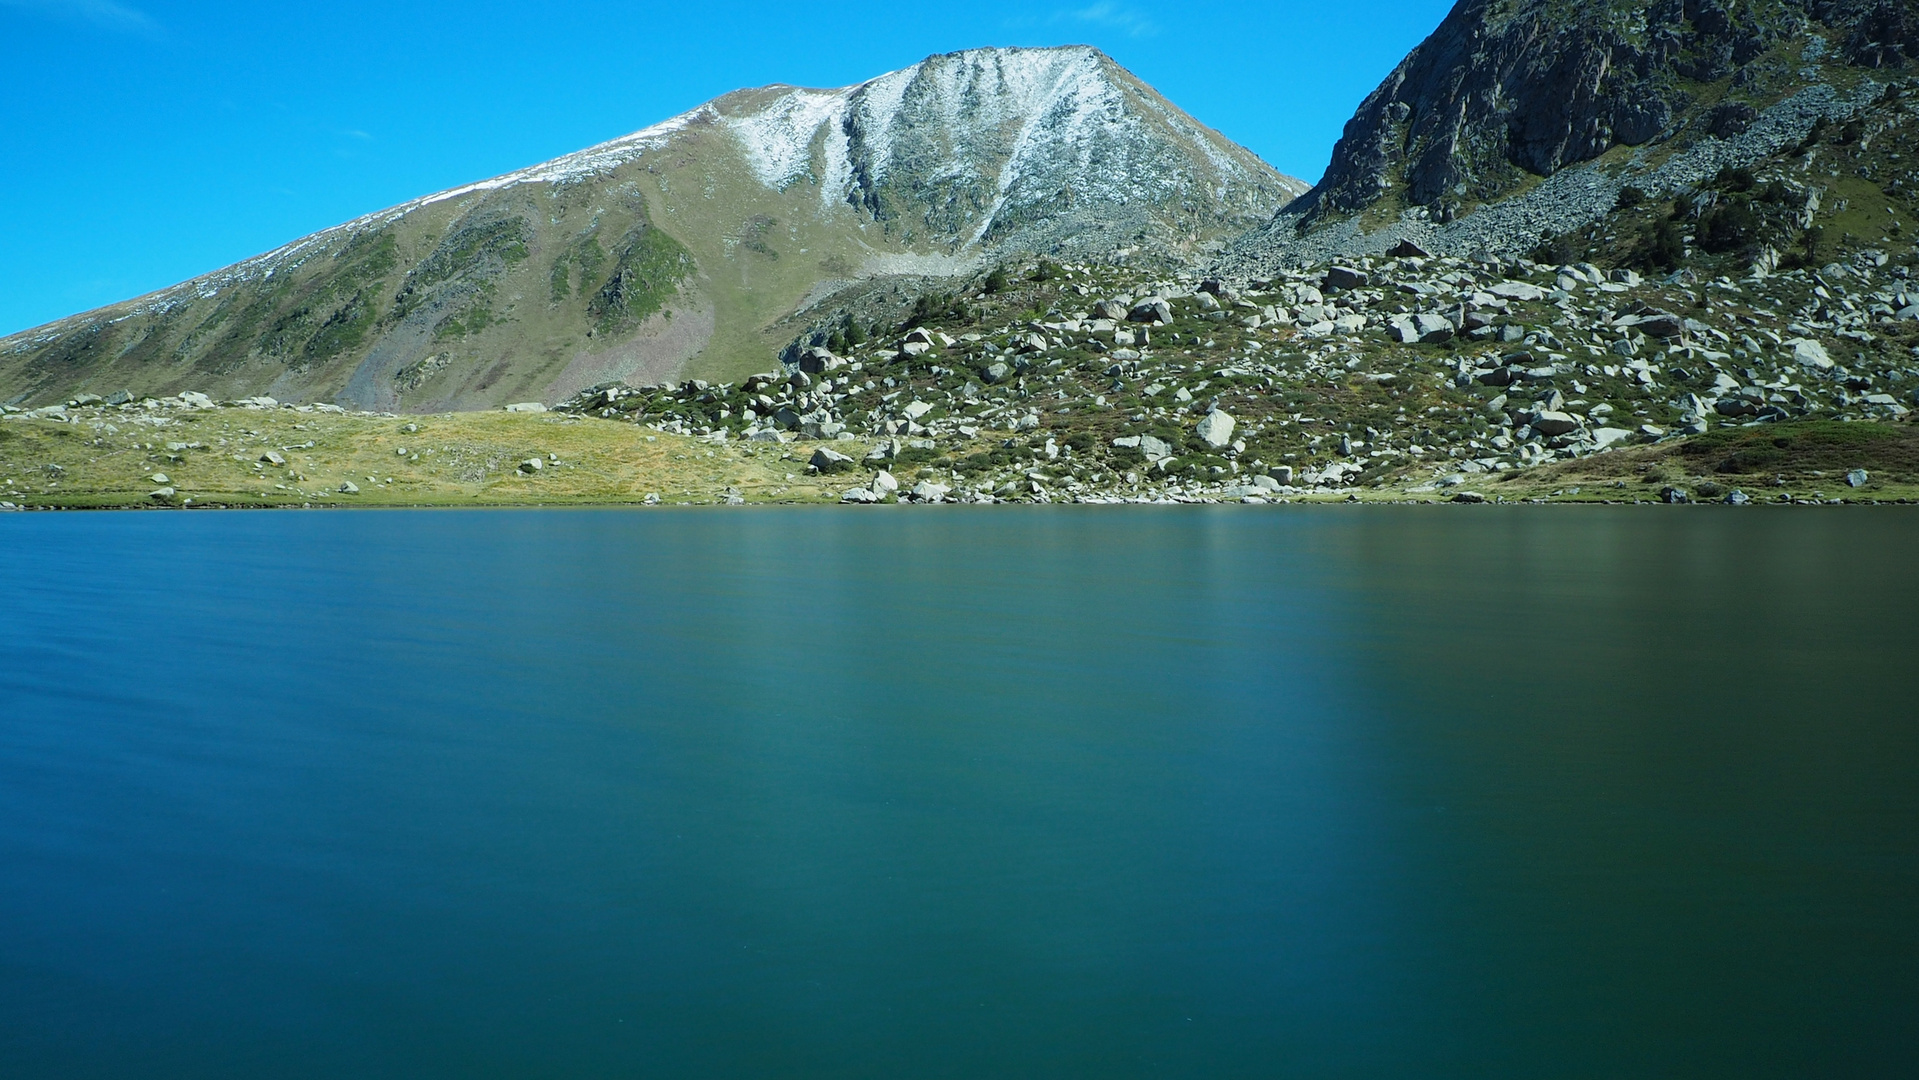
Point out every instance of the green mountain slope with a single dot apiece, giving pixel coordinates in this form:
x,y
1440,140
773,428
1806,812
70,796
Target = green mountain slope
x,y
678,250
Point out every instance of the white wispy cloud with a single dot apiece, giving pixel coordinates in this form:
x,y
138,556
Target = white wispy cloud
x,y
1121,17
104,14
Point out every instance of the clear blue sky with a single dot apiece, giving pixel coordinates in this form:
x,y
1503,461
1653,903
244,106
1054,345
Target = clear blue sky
x,y
143,142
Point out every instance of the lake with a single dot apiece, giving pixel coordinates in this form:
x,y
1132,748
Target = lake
x,y
961,792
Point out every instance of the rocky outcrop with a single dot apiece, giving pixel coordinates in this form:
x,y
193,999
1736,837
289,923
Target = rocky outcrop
x,y
1507,88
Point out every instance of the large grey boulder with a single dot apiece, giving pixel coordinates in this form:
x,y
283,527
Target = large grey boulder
x,y
829,461
1550,423
1809,353
1216,428
1660,324
1517,290
1422,329
1344,278
1151,310
818,361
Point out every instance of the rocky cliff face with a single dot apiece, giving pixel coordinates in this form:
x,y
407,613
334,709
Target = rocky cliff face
x,y
678,249
1507,89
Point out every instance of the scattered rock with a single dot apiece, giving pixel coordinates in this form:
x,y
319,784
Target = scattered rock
x,y
1216,428
525,406
1809,353
1344,279
1857,478
1152,310
1550,423
829,461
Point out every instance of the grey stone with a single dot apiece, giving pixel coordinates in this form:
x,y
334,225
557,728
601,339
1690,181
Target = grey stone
x,y
1421,328
995,372
1857,478
1344,278
525,406
1216,428
929,492
1281,473
829,461
274,458
1660,324
348,487
1551,424
1809,353
1517,290
1153,310
1154,448
818,361
1737,498
532,465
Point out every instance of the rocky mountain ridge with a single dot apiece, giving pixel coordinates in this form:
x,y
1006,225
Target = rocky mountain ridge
x,y
677,249
1522,118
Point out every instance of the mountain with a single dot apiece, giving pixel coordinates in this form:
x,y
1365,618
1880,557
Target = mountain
x,y
1518,119
679,249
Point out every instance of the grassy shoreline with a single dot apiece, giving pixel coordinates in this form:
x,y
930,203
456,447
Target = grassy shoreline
x,y
128,457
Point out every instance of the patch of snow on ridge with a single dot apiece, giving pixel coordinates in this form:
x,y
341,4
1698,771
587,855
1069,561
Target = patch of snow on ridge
x,y
875,108
778,140
1062,108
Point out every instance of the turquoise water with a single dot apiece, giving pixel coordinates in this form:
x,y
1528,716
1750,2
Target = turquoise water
x,y
1336,792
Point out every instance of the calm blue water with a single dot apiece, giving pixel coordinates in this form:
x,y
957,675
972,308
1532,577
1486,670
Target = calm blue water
x,y
1339,792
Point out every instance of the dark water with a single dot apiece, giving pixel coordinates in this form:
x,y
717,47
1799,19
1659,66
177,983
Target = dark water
x,y
1346,792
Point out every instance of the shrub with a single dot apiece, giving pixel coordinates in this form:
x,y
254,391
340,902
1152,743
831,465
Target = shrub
x,y
1731,226
1735,180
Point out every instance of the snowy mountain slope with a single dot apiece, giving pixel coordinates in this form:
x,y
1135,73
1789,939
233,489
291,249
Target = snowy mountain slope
x,y
675,250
